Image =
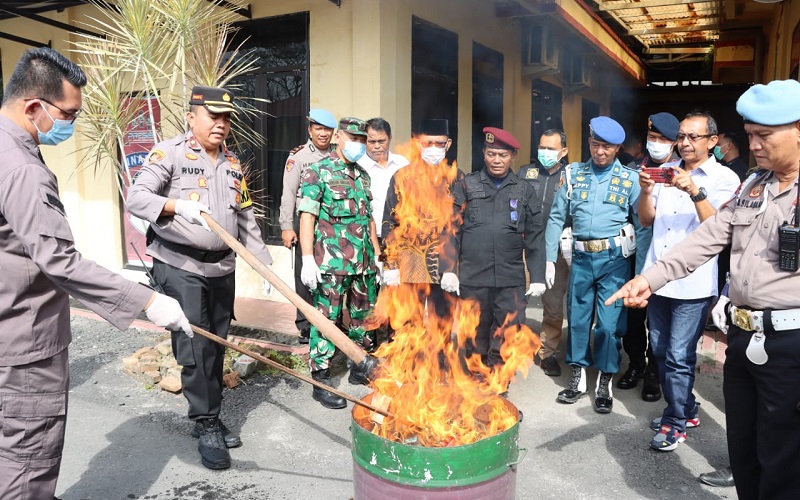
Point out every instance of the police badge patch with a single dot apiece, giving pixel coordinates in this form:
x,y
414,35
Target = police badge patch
x,y
289,164
532,174
154,156
756,191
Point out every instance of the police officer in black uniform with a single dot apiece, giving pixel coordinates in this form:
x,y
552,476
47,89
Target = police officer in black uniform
x,y
502,217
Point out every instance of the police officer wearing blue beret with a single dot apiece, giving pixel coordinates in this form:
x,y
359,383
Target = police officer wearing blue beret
x,y
762,311
662,133
598,197
501,220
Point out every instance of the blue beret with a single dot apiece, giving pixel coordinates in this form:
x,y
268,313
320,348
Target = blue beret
x,y
665,124
323,117
607,130
499,138
776,103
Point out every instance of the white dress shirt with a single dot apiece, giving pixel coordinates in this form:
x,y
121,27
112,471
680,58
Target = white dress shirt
x,y
379,178
676,217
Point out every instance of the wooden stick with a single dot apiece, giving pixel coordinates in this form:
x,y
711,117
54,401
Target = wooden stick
x,y
316,318
286,370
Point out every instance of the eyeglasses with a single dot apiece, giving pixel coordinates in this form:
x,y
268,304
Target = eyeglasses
x,y
692,137
70,116
438,144
491,155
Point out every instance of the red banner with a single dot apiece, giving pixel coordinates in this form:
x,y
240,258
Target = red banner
x,y
137,143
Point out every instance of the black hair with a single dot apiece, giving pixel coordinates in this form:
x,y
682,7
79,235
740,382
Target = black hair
x,y
559,132
378,124
711,123
734,138
39,73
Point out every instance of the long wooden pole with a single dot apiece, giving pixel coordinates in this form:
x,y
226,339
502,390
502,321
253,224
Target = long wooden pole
x,y
316,318
286,370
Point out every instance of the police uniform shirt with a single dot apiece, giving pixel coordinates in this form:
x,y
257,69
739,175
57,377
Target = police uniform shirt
x,y
295,164
749,223
40,266
600,203
489,243
179,168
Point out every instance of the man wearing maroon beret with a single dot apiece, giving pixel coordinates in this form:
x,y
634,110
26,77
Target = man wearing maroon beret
x,y
501,220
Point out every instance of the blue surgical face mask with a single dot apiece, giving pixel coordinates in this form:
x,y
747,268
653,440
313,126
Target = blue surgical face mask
x,y
718,154
353,151
58,133
547,157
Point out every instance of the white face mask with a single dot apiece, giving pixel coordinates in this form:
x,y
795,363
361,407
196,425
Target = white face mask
x,y
659,150
433,155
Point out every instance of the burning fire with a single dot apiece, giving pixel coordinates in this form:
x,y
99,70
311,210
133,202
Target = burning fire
x,y
435,394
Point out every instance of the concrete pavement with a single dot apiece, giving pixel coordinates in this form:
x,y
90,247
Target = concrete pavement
x,y
127,442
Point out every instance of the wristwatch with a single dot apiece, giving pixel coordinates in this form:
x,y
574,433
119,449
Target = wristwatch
x,y
700,196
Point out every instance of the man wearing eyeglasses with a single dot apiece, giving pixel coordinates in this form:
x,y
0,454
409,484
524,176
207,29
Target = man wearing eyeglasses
x,y
761,315
413,253
40,270
677,313
599,198
501,220
544,174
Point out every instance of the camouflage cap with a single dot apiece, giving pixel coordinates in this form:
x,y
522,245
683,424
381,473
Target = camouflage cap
x,y
215,99
353,126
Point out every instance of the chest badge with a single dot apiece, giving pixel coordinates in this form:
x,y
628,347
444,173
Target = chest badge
x,y
191,156
202,182
756,191
237,184
194,196
532,174
584,195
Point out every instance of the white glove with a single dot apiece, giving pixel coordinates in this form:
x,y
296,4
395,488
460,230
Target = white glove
x,y
450,283
536,289
550,274
266,288
379,265
310,274
718,313
190,210
167,313
391,277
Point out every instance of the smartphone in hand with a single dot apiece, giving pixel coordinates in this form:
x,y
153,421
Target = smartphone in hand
x,y
660,175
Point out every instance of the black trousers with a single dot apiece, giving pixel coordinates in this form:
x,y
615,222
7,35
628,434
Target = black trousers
x,y
207,303
761,409
496,304
635,340
300,320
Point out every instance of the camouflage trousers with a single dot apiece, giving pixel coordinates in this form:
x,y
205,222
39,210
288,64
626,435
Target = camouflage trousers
x,y
361,293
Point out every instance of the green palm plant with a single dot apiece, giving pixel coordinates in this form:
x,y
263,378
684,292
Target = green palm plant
x,y
155,49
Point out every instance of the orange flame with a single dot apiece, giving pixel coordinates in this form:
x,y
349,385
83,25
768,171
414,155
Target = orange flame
x,y
438,396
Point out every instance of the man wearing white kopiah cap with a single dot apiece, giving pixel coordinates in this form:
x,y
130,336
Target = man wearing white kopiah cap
x,y
318,147
762,315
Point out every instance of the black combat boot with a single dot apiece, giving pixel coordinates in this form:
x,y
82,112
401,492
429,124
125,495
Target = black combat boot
x,y
326,398
231,440
651,391
631,377
305,336
603,398
213,452
576,389
361,373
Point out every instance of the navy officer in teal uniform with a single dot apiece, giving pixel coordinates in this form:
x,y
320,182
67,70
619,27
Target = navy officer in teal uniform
x,y
598,194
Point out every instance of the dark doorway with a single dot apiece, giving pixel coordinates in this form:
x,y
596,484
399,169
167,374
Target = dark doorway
x,y
487,97
434,77
546,101
280,45
589,110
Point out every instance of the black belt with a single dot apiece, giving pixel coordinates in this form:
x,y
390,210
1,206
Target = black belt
x,y
205,256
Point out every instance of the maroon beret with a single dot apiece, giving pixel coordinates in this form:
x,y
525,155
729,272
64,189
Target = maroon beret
x,y
499,138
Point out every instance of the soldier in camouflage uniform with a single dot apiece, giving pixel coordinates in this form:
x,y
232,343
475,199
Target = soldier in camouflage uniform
x,y
339,244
